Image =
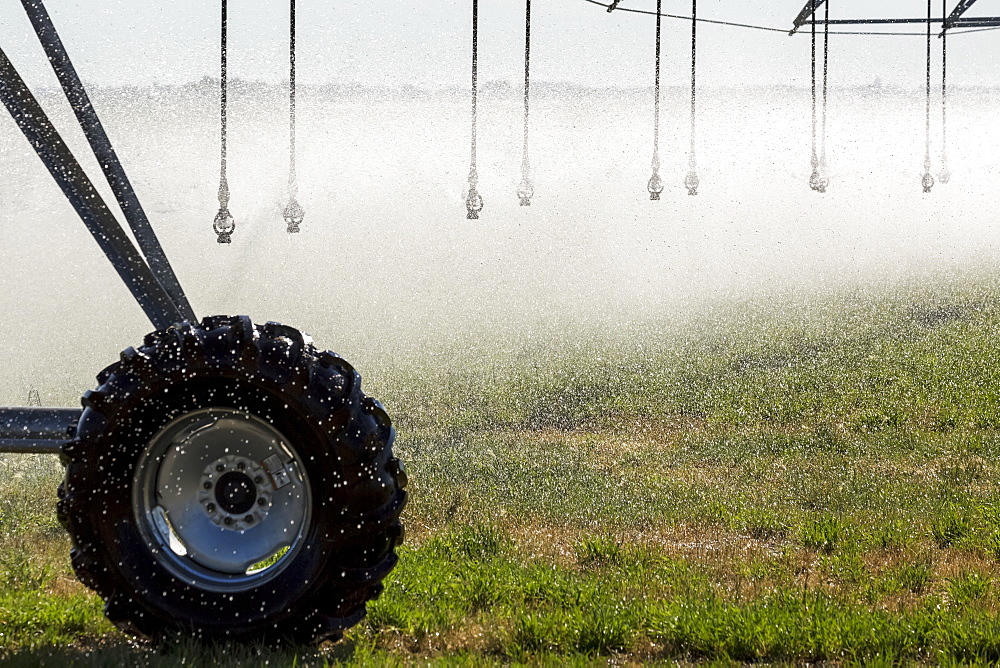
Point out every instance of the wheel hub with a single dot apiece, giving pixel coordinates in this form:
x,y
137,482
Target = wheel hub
x,y
235,492
220,498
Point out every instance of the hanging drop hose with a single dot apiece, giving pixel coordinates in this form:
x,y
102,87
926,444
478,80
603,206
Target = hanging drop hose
x,y
927,180
944,175
473,200
814,180
655,184
526,189
824,179
224,225
293,213
691,180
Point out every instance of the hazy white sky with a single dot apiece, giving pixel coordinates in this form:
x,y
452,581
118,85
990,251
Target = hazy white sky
x,y
427,42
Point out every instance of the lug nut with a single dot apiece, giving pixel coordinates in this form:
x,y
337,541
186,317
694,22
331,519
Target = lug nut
x,y
240,466
207,485
227,520
210,507
258,479
220,468
262,501
248,519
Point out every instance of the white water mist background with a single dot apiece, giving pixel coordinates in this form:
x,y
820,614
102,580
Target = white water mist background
x,y
387,266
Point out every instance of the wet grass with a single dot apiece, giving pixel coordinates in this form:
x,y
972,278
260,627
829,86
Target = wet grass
x,y
796,483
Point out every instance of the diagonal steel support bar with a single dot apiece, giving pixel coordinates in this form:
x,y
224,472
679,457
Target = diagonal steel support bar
x,y
803,17
80,192
962,7
149,245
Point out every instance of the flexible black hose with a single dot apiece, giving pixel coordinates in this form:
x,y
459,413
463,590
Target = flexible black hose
x,y
927,102
927,181
525,189
944,176
527,81
291,100
694,89
656,90
814,159
475,73
691,180
223,225
222,92
655,184
826,60
473,200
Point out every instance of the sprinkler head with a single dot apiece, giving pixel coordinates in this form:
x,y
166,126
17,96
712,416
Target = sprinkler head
x,y
816,181
525,190
691,182
654,186
293,216
224,226
473,203
927,182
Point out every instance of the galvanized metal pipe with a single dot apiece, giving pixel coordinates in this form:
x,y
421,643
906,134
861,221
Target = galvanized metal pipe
x,y
970,22
105,153
34,429
89,205
12,446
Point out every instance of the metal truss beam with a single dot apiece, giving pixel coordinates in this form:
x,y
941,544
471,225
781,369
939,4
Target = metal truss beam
x,y
955,20
960,8
807,11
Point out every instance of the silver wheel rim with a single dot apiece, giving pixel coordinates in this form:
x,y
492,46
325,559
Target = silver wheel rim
x,y
221,500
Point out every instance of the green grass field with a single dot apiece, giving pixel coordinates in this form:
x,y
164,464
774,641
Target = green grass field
x,y
803,481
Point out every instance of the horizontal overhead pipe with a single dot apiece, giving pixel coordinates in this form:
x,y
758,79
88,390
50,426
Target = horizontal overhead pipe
x,y
34,429
964,22
973,22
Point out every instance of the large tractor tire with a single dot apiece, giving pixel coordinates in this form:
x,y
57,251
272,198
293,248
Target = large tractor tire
x,y
229,481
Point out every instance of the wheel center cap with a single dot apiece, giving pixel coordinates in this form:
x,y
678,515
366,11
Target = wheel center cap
x,y
235,492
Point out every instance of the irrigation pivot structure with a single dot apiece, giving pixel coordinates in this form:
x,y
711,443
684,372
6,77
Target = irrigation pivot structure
x,y
231,480
956,19
225,479
948,21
